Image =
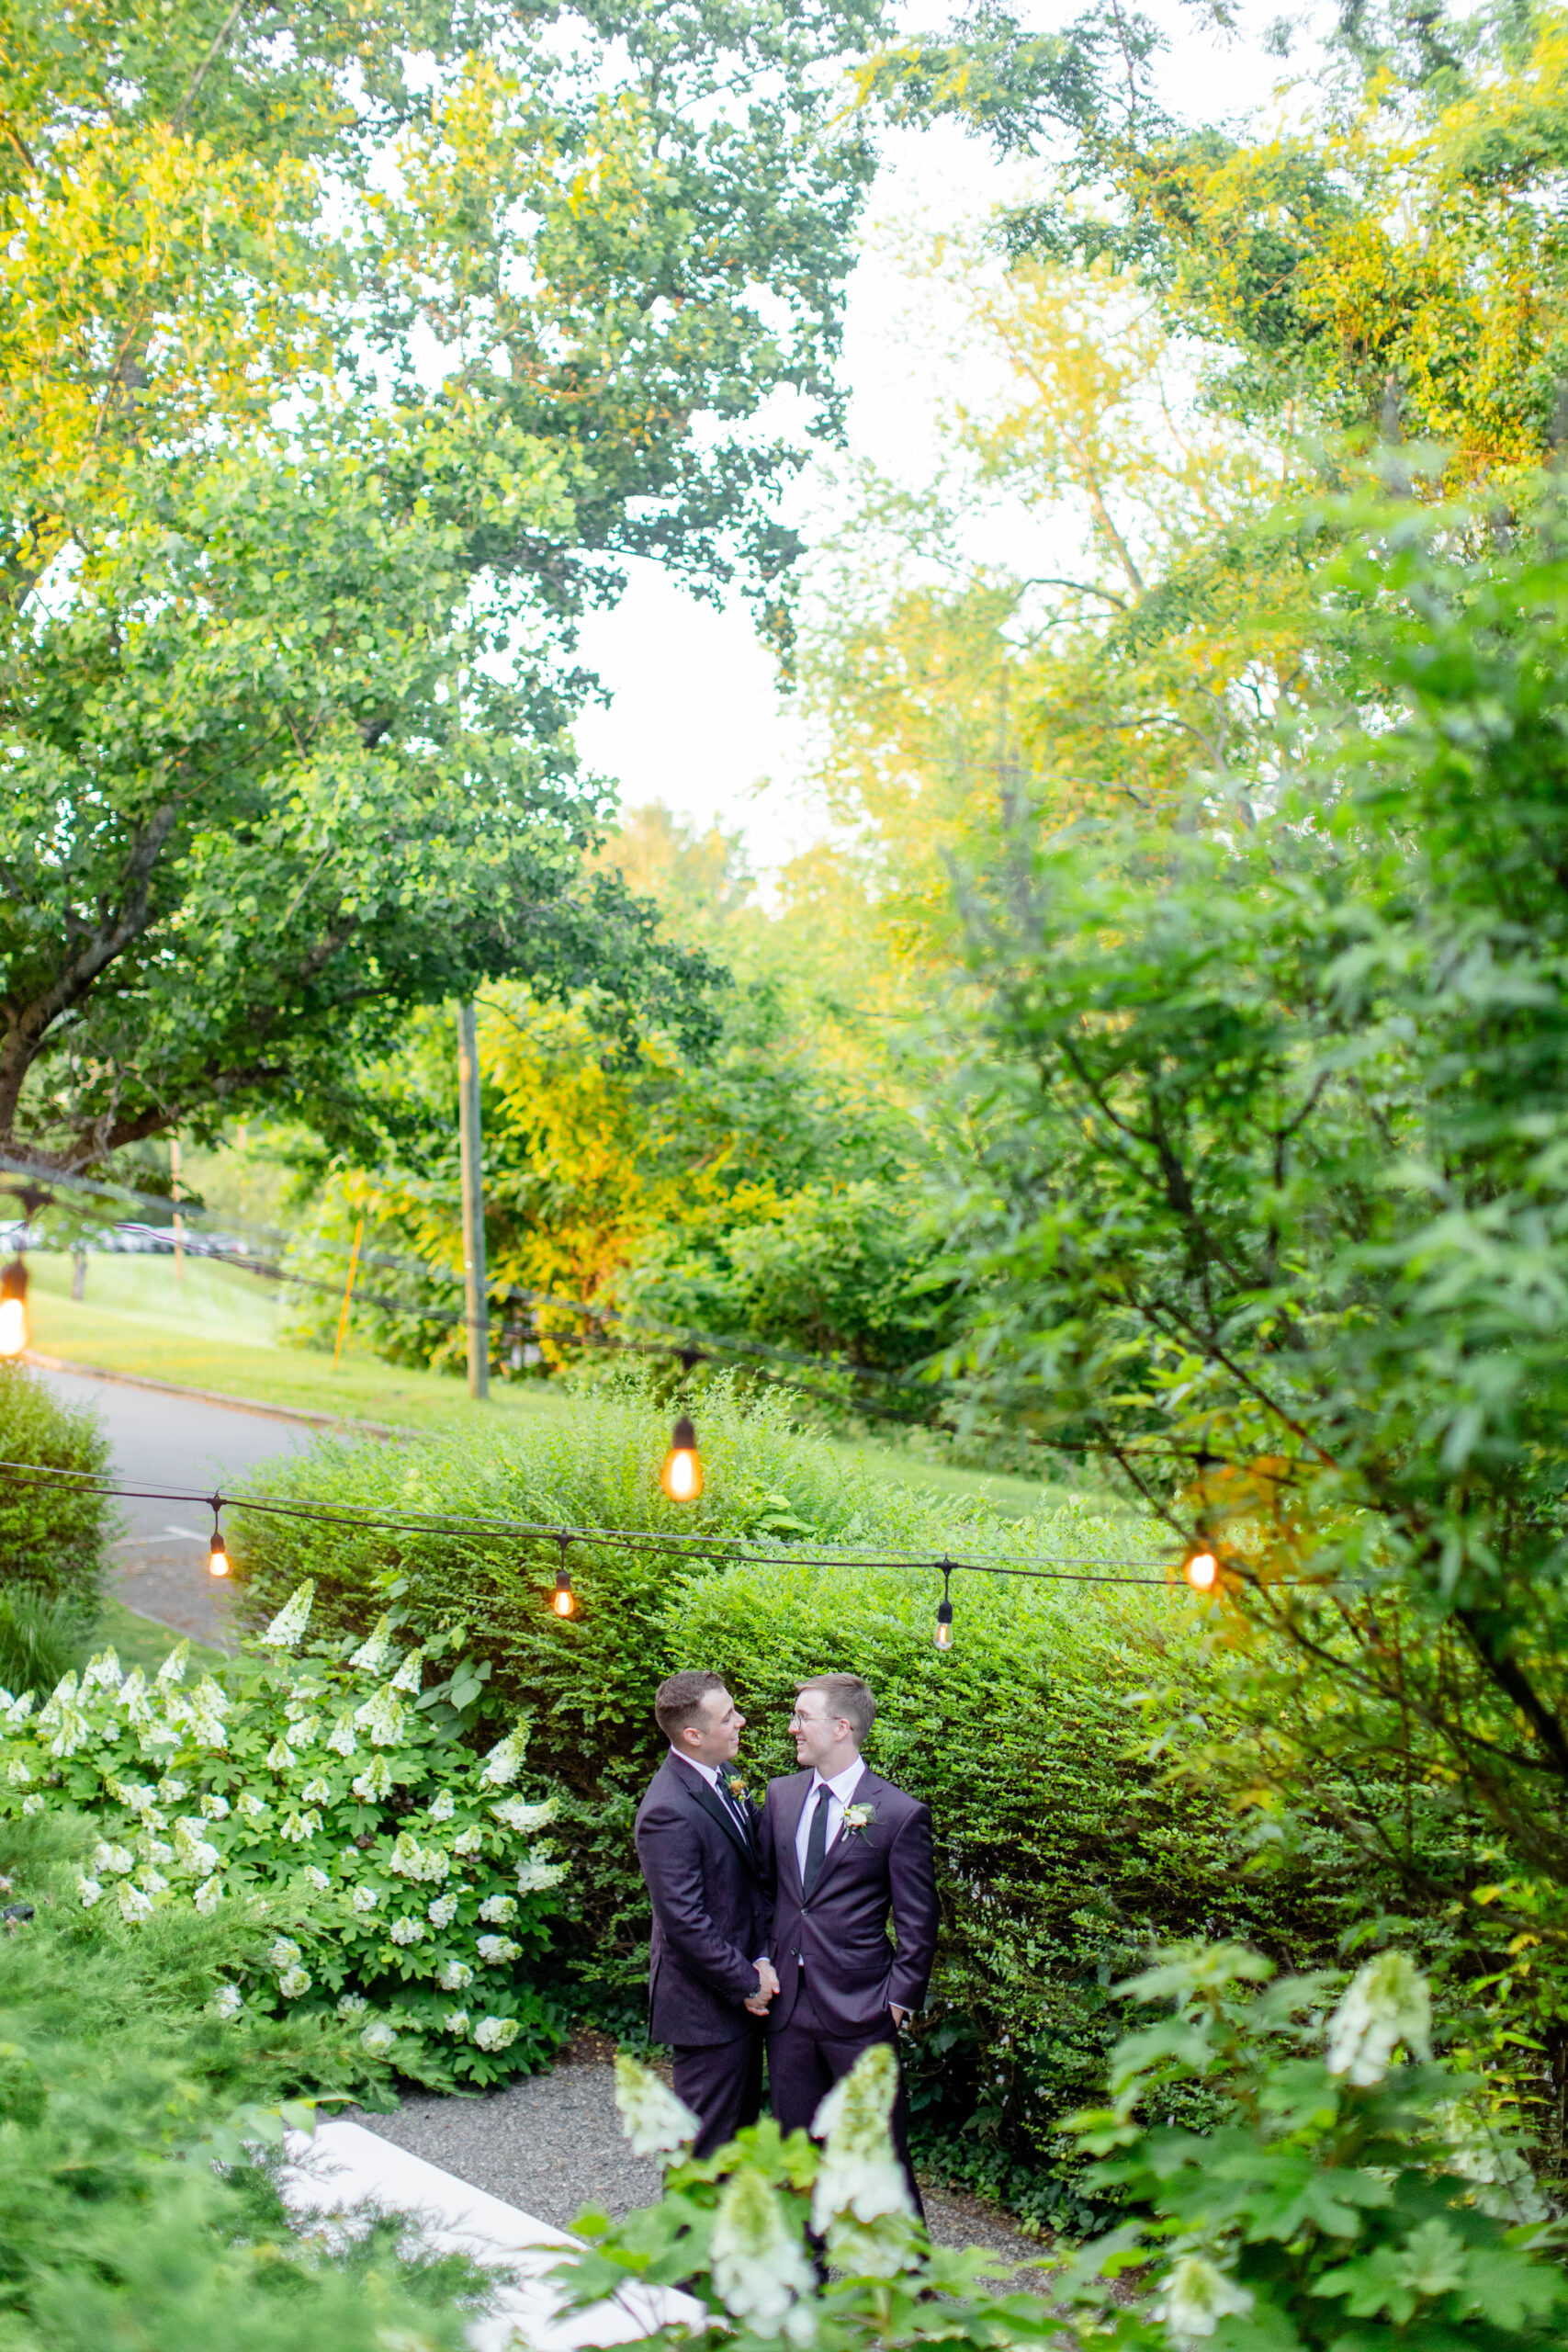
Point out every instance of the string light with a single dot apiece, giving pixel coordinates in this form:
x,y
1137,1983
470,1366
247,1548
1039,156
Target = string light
x,y
1202,1569
944,1634
217,1551
14,1309
682,1476
565,1600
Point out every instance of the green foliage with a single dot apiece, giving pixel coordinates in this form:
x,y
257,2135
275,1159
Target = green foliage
x,y
117,2092
333,1796
40,1639
51,1535
1344,2202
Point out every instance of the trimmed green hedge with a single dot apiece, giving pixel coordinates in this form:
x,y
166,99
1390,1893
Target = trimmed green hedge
x,y
52,1538
1062,1860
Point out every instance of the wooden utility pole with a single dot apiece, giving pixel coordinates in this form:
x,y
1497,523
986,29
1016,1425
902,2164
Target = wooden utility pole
x,y
475,1293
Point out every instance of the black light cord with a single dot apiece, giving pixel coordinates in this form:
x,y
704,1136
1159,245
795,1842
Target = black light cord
x,y
1033,1568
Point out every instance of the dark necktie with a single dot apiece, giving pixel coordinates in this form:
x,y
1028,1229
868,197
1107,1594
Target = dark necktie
x,y
737,1809
817,1839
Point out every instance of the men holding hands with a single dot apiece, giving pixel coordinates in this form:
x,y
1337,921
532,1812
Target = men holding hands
x,y
781,1913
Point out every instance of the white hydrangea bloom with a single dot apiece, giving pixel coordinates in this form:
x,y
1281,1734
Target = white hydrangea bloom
x,y
155,1849
134,1907
408,1858
537,1875
318,1878
298,1826
495,2033
454,1975
133,1698
859,2176
198,1854
496,1950
1195,2295
119,1859
375,1781
498,1910
171,1791
441,1807
375,1649
173,1670
654,2120
17,1710
379,2038
340,1739
74,1733
62,1695
90,1892
152,1881
19,1773
293,1982
135,1795
353,2005
406,1932
227,2002
103,1673
383,1717
280,1757
317,1792
33,1803
215,1808
760,2265
504,1762
251,1806
284,1952
365,1898
468,1841
410,1676
207,1896
291,1619
1387,2003
456,2021
443,1911
517,1814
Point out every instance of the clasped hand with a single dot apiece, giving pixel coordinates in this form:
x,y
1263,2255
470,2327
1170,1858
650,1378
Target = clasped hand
x,y
767,1985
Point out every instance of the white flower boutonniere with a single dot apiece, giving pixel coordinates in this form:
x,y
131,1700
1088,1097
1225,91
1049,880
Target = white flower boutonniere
x,y
859,1816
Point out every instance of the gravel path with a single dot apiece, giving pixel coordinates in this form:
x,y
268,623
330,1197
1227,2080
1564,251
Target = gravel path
x,y
552,2144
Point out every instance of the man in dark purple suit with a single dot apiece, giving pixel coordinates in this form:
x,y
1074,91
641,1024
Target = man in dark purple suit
x,y
843,1851
709,1976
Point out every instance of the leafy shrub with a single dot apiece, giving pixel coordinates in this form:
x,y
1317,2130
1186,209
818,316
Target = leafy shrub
x,y
128,2212
392,1861
1346,2203
587,1683
51,1537
40,1638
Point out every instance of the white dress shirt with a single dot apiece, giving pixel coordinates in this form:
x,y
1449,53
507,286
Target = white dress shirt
x,y
708,1771
840,1788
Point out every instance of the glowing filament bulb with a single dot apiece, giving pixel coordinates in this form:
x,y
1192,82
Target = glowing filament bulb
x,y
944,1635
14,1309
217,1556
564,1601
1201,1571
681,1477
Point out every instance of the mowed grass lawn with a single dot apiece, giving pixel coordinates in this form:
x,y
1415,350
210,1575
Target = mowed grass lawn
x,y
214,1328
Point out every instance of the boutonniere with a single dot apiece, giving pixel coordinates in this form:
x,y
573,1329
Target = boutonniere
x,y
736,1787
859,1816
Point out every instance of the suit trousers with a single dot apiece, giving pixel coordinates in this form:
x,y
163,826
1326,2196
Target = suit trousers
x,y
722,2083
805,2060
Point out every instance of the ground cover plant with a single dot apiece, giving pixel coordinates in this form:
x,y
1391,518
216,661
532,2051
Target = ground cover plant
x,y
402,1878
130,2210
51,1540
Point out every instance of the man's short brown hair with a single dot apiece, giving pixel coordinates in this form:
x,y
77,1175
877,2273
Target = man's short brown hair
x,y
679,1699
845,1695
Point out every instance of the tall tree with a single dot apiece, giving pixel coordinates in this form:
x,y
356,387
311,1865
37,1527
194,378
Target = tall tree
x,y
348,356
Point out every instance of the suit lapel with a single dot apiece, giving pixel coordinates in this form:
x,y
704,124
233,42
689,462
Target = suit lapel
x,y
712,1802
841,1841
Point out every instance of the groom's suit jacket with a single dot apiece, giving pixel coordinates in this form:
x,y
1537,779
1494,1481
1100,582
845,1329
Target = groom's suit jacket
x,y
837,1933
711,1914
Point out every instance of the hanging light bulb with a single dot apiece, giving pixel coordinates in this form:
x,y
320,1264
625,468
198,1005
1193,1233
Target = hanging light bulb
x,y
1202,1569
217,1551
13,1333
682,1476
945,1623
564,1602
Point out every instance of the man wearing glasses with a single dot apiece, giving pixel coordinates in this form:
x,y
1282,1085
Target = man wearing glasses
x,y
843,1852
